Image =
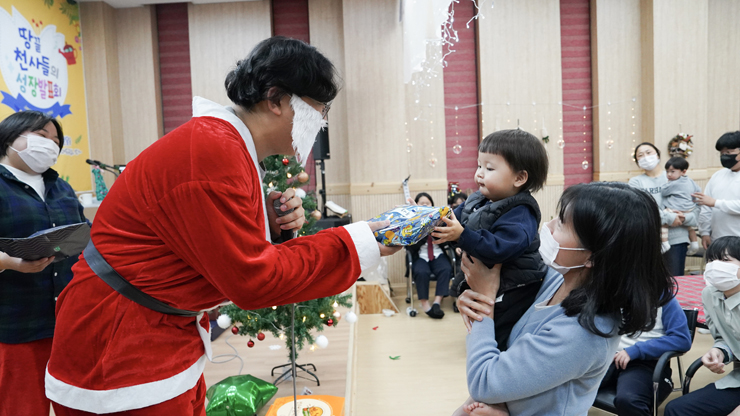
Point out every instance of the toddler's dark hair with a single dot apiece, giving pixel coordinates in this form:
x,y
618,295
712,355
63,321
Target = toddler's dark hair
x,y
522,151
677,162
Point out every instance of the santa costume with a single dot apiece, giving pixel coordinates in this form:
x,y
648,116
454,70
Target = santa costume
x,y
185,223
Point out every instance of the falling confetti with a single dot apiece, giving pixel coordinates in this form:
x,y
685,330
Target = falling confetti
x,y
375,328
397,357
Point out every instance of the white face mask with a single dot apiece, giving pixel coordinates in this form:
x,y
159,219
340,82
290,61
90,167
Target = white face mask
x,y
649,162
549,249
722,275
307,122
40,153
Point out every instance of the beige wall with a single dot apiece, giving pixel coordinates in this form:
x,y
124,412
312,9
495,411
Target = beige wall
x,y
616,76
520,64
680,59
121,81
138,57
220,35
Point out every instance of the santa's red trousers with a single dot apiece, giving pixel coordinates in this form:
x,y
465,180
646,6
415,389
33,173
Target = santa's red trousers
x,y
22,370
192,402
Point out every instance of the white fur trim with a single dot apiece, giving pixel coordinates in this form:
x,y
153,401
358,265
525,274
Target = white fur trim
x,y
124,398
207,108
365,244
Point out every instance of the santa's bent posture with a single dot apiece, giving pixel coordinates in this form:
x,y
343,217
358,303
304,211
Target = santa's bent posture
x,y
186,227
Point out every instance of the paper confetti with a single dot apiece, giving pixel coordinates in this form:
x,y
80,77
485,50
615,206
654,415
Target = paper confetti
x,y
397,357
375,328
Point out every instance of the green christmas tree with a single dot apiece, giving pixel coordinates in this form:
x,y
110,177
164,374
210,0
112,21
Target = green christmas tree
x,y
283,173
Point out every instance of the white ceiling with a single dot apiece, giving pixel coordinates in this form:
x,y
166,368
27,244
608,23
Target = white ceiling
x,y
120,4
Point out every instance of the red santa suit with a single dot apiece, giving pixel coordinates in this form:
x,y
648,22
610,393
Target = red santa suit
x,y
185,223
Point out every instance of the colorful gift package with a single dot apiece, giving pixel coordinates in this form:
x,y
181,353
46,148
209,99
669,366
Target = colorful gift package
x,y
409,224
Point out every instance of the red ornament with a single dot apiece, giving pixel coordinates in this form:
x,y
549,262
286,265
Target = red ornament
x,y
234,330
250,344
286,161
329,322
261,336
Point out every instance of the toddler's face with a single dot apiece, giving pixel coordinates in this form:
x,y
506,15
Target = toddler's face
x,y
674,173
495,178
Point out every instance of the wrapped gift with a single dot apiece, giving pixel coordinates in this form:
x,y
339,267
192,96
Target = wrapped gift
x,y
308,406
409,224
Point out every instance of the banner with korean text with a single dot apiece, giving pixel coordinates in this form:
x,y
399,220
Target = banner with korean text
x,y
41,69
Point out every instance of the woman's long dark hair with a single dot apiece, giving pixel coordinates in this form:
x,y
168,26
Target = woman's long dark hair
x,y
620,225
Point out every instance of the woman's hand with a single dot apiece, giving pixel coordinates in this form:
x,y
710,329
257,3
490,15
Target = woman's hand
x,y
474,306
384,250
449,233
714,360
480,278
706,241
294,220
680,217
703,199
23,266
621,359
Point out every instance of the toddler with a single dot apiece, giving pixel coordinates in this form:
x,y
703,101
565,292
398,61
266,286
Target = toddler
x,y
676,195
498,224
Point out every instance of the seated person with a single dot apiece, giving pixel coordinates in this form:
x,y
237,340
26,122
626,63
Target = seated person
x,y
428,258
635,361
721,300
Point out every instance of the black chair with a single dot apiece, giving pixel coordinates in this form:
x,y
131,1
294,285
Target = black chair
x,y
411,311
693,368
606,395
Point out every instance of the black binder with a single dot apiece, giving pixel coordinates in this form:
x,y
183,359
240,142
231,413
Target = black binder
x,y
61,242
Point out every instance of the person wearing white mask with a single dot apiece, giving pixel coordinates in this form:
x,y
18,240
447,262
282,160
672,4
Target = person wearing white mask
x,y
647,157
561,348
721,300
187,224
32,198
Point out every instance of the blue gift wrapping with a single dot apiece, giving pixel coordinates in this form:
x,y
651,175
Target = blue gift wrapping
x,y
409,224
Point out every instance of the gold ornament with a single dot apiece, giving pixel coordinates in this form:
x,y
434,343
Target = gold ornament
x,y
302,177
316,215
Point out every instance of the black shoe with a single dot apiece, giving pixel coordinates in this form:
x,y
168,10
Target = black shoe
x,y
435,312
454,307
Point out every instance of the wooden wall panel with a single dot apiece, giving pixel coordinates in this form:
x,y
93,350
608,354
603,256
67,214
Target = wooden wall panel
x,y
220,35
616,60
520,64
680,79
327,34
723,100
138,56
102,86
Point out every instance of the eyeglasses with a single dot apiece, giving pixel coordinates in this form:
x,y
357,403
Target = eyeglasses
x,y
325,111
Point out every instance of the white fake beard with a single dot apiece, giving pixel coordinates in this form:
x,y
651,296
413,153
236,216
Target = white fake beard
x,y
307,122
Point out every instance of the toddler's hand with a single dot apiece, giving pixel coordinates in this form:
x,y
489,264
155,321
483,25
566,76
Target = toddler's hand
x,y
451,232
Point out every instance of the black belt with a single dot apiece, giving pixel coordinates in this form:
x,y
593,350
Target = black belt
x,y
110,276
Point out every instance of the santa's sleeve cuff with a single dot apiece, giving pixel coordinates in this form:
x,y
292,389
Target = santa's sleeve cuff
x,y
365,244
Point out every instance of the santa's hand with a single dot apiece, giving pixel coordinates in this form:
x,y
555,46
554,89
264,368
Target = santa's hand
x,y
294,220
384,250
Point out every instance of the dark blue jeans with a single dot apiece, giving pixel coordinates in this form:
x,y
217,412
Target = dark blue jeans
x,y
634,387
675,259
423,270
704,402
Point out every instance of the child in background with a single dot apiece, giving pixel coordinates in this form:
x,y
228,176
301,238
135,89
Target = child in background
x,y
499,222
677,198
428,258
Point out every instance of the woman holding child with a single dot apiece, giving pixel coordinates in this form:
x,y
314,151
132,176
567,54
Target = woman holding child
x,y
560,349
647,157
